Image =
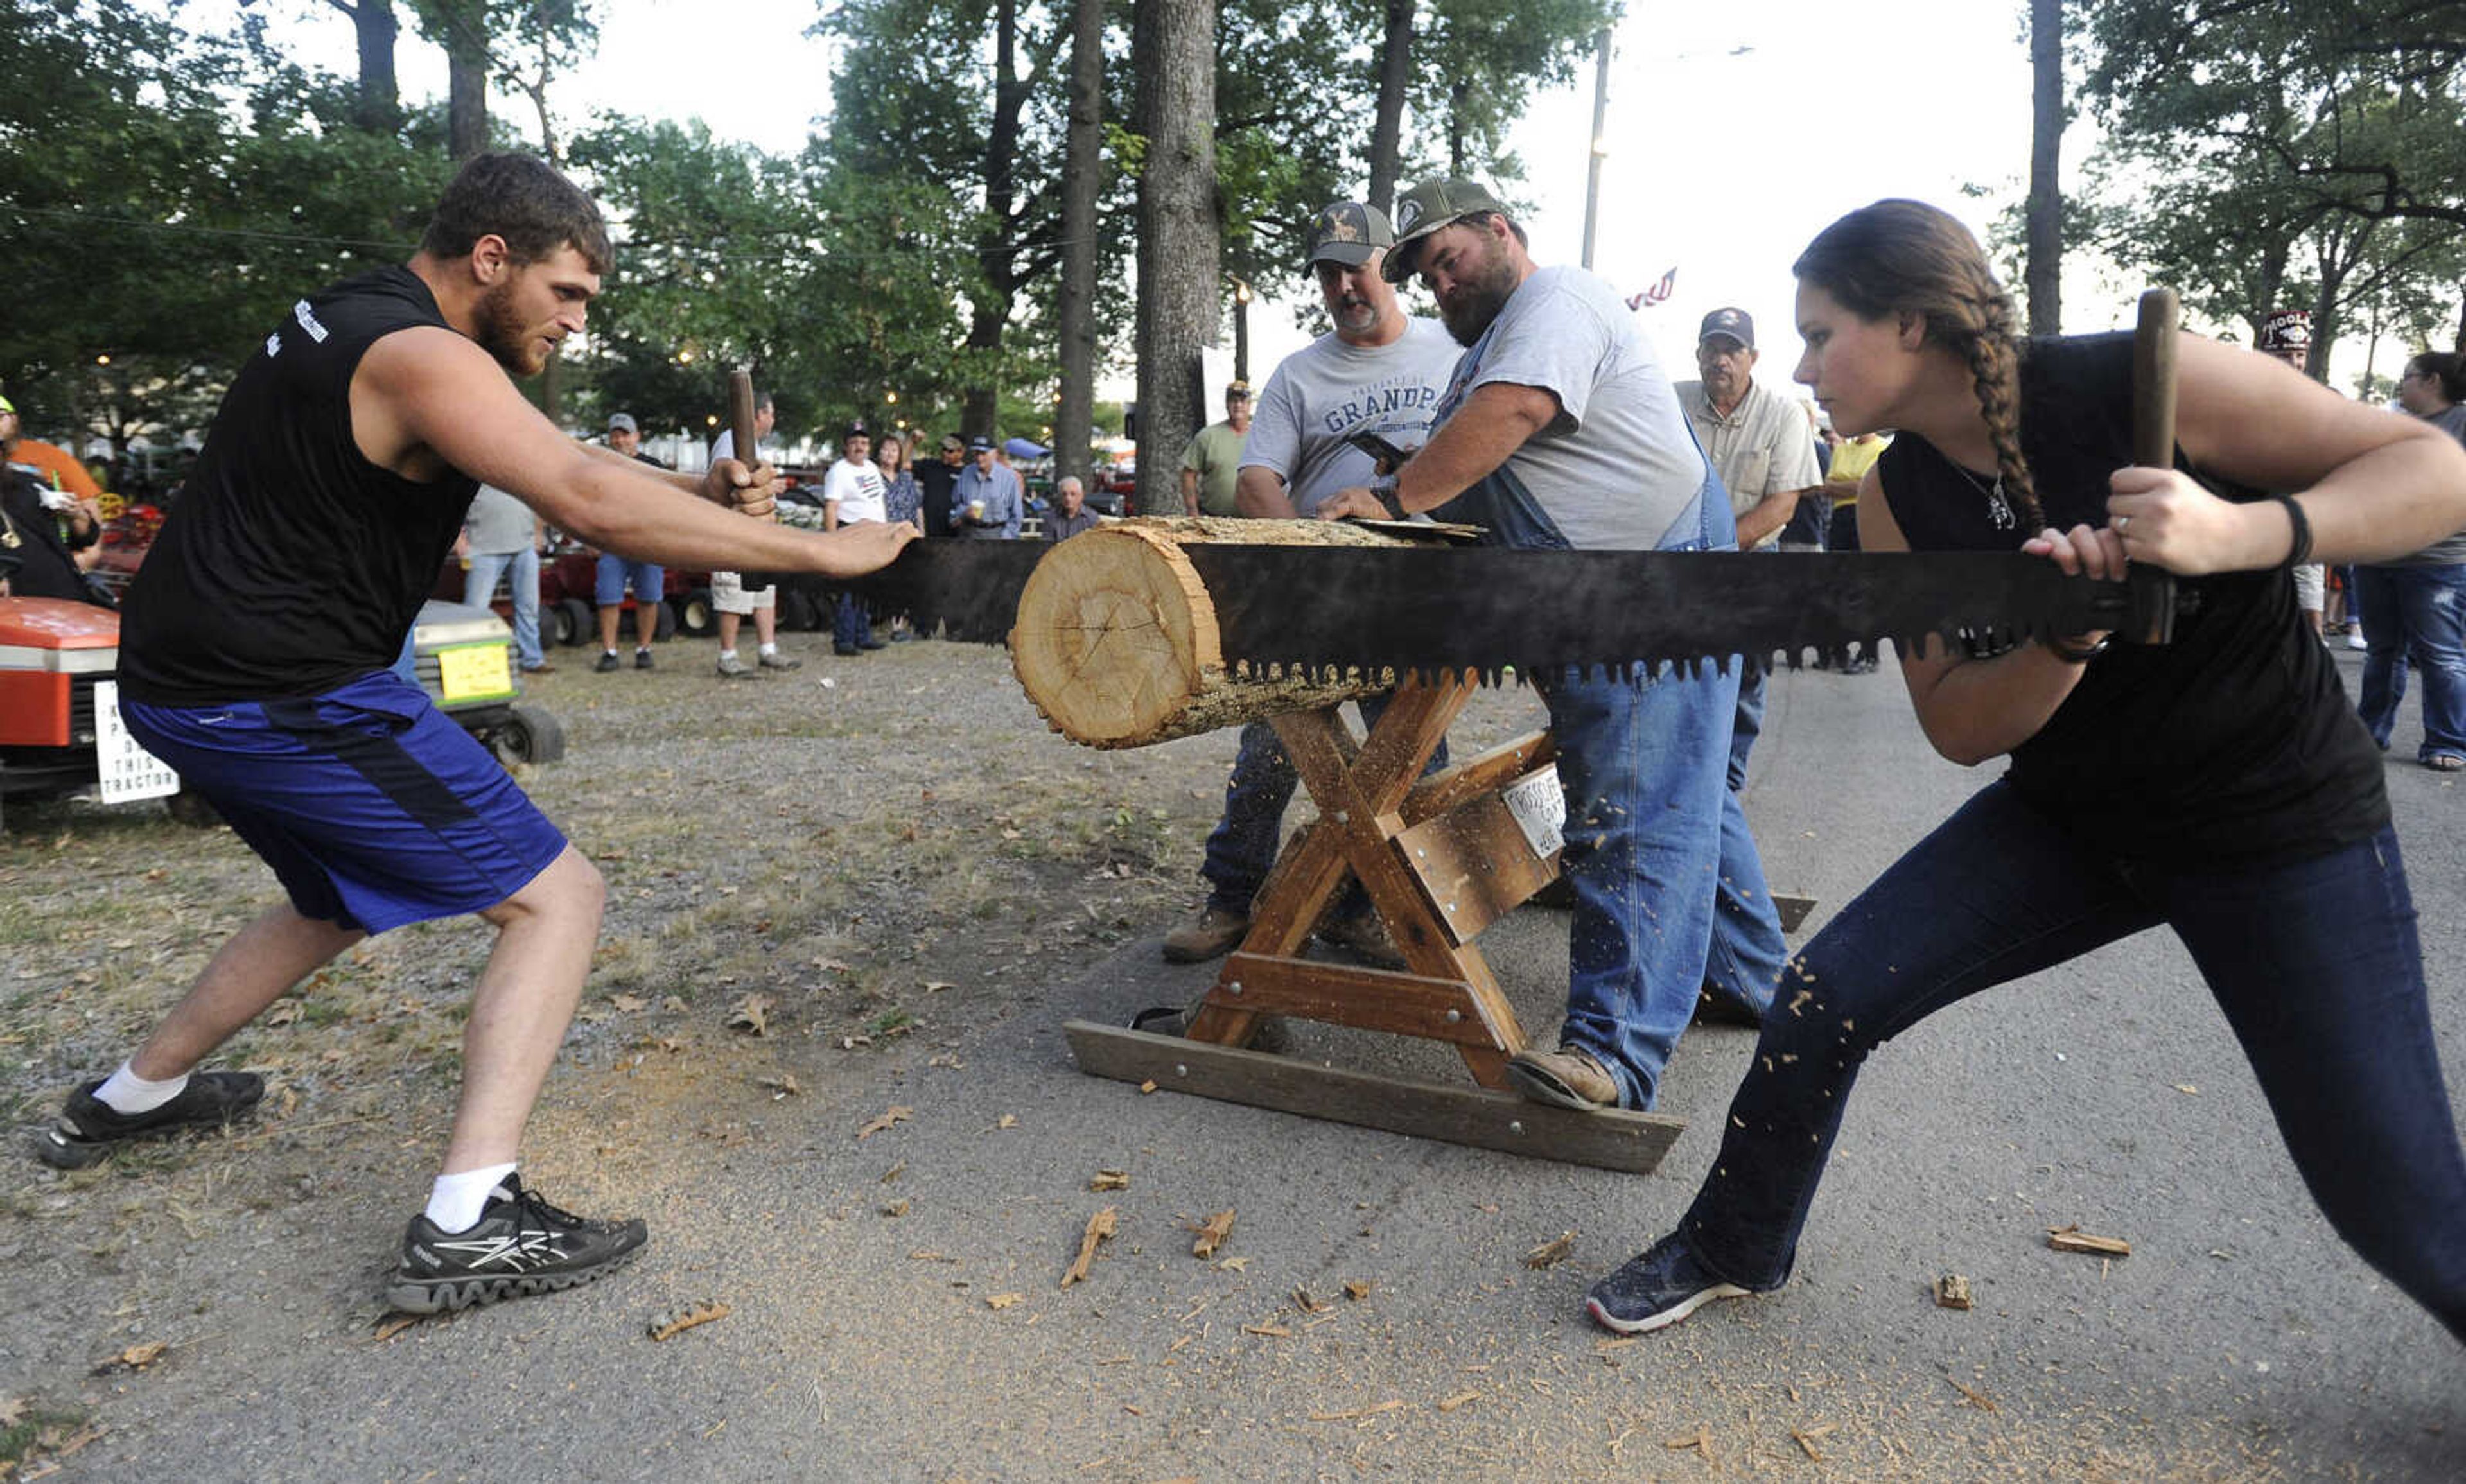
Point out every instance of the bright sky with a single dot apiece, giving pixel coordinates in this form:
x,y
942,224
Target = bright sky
x,y
1734,134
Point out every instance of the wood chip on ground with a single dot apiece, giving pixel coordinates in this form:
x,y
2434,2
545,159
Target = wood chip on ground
x,y
1099,1226
1554,1251
676,1321
1212,1235
2072,1238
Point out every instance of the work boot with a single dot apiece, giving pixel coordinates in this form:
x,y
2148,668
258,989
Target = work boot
x,y
1365,938
1569,1077
1212,937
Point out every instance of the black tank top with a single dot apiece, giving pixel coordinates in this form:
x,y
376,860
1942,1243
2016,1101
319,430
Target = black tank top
x,y
2233,745
291,564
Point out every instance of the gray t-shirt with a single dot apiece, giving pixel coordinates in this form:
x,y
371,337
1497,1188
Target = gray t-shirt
x,y
1329,390
497,522
2448,550
1618,466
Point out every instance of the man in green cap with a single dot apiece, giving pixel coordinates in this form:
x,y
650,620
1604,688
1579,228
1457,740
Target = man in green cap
x,y
1560,429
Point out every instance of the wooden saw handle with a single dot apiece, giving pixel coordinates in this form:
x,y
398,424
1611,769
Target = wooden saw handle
x,y
742,437
2153,446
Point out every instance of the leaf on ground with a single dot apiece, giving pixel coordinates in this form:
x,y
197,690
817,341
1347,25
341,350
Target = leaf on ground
x,y
892,1117
891,1176
936,986
629,1003
1308,1303
136,1358
1099,1226
1212,1235
1005,1300
1551,1253
394,1324
784,1085
1355,1288
284,1013
851,1042
752,1013
11,1410
676,1321
1111,1180
1006,1121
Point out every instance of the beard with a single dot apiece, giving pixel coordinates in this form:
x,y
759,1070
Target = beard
x,y
1355,316
1485,292
503,334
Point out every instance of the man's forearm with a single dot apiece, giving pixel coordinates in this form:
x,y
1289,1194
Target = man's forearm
x,y
1484,432
1770,514
1262,495
1189,493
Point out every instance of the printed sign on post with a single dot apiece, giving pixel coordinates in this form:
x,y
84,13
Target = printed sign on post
x,y
128,772
1539,807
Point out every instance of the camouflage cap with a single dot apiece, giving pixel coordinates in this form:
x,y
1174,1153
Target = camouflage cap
x,y
1348,233
1427,208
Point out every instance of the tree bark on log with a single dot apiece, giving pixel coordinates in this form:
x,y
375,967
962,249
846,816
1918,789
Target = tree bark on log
x,y
1116,641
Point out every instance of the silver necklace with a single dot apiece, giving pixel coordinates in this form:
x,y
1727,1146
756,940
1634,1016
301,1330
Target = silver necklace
x,y
1998,509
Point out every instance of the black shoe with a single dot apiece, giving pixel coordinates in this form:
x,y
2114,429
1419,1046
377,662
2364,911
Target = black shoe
x,y
520,1246
871,644
845,650
607,662
90,1128
641,659
1656,1289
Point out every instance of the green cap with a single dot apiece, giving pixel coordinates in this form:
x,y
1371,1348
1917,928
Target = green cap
x,y
7,406
1427,208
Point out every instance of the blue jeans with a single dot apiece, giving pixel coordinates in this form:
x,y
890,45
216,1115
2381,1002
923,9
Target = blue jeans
x,y
1243,846
2315,963
851,623
1747,724
480,584
2417,614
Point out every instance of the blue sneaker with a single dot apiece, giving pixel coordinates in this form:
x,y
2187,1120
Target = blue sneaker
x,y
1656,1289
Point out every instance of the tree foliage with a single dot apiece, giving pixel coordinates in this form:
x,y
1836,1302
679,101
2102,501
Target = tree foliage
x,y
2267,156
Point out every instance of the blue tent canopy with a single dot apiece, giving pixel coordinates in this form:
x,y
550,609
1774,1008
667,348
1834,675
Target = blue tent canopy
x,y
1021,448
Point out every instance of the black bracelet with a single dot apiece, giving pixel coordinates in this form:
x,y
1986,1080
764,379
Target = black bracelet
x,y
1391,496
2077,654
2301,550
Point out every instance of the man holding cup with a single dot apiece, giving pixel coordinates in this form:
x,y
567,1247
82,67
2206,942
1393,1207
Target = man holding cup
x,y
985,498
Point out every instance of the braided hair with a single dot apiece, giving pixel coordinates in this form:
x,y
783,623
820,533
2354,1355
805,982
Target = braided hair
x,y
1908,258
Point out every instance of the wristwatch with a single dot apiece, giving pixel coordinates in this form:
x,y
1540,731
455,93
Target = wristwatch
x,y
1385,491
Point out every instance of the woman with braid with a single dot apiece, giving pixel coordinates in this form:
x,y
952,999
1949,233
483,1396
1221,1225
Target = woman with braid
x,y
2218,785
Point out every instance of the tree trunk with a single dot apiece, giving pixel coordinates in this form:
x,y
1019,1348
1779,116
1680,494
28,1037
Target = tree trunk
x,y
467,77
1083,165
1395,74
379,107
996,252
1178,236
2043,280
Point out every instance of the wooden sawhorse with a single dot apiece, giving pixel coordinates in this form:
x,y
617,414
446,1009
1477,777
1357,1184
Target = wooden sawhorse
x,y
1440,858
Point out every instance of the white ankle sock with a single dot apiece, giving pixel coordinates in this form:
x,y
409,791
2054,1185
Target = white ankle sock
x,y
770,649
456,1201
727,654
125,1091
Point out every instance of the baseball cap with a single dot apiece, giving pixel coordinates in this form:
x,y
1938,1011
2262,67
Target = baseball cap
x,y
2287,330
1737,324
981,444
1346,233
7,406
623,422
1427,208
857,429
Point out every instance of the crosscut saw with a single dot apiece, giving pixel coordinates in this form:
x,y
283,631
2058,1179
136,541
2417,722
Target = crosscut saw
x,y
1433,607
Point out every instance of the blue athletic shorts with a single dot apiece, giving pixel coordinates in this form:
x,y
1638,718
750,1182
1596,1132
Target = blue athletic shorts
x,y
372,806
608,583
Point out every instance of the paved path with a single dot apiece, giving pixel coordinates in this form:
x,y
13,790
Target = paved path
x,y
2240,1340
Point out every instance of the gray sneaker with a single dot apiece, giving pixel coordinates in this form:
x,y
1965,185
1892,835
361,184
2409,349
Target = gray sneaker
x,y
777,660
733,667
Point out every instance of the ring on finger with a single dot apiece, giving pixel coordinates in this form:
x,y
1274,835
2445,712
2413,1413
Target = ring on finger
x,y
2122,524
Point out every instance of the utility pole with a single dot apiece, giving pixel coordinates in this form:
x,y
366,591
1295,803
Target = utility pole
x,y
1596,146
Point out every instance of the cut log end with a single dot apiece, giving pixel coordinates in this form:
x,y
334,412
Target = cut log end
x,y
1116,641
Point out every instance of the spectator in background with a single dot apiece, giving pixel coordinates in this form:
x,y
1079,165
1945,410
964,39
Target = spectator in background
x,y
987,502
933,482
616,574
49,463
1805,527
2415,608
1211,464
1070,513
1758,443
41,530
2287,336
502,538
729,597
901,497
853,492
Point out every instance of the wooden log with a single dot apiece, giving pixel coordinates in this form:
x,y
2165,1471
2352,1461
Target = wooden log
x,y
1116,641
